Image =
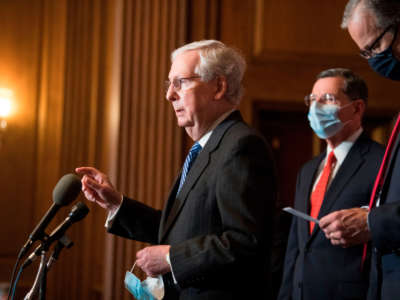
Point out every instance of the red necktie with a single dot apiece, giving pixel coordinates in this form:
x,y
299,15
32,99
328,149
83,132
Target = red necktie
x,y
381,175
317,196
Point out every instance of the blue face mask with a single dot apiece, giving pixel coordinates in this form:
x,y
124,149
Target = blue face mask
x,y
152,288
135,287
324,119
386,64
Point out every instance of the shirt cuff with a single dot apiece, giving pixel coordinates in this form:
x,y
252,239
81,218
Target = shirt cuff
x,y
111,215
172,271
367,208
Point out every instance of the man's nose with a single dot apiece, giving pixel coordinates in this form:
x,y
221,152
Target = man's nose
x,y
171,94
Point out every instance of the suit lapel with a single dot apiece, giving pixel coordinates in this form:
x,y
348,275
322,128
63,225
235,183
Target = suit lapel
x,y
351,164
177,203
200,164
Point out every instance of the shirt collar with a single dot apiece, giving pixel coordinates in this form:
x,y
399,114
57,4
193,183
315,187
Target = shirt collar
x,y
204,139
344,147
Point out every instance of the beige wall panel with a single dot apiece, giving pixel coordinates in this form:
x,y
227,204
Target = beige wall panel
x,y
297,27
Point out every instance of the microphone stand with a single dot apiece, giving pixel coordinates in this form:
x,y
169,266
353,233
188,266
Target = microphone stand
x,y
41,277
43,283
38,278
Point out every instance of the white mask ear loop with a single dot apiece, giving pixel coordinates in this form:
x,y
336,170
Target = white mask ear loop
x,y
133,266
348,121
348,104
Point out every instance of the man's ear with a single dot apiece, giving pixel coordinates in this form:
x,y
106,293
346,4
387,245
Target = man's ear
x,y
221,88
360,107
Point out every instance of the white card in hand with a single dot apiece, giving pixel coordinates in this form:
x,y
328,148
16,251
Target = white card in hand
x,y
300,214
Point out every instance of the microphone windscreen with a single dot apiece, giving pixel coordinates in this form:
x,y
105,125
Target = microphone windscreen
x,y
67,189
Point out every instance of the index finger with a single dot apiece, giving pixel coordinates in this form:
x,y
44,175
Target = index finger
x,y
87,171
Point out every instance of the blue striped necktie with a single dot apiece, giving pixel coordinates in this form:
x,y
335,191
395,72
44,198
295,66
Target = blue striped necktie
x,y
190,158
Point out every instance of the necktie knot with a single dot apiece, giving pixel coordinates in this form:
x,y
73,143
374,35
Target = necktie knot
x,y
331,159
195,149
190,158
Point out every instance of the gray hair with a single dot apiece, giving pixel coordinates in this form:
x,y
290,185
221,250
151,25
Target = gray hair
x,y
217,59
354,86
387,12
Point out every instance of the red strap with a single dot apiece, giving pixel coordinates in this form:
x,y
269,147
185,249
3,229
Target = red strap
x,y
381,176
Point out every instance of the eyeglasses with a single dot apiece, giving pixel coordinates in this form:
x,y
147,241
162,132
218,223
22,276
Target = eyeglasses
x,y
371,51
324,99
179,83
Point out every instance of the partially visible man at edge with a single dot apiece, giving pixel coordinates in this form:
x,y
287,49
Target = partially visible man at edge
x,y
374,26
341,177
212,239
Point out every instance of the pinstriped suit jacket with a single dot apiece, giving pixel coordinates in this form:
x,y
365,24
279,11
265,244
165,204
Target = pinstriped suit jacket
x,y
219,225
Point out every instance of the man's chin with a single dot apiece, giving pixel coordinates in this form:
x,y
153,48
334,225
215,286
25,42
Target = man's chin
x,y
181,124
184,123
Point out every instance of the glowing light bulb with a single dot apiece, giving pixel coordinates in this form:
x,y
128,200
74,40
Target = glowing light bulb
x,y
5,102
5,107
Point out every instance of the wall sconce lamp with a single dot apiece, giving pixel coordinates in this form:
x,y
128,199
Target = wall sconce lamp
x,y
5,110
5,106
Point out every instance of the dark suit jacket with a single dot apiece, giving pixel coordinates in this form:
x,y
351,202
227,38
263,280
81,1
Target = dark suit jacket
x,y
218,226
315,269
384,222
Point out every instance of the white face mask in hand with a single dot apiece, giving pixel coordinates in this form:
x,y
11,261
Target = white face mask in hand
x,y
149,289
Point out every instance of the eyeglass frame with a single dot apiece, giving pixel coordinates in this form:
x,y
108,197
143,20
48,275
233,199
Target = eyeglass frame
x,y
368,53
335,101
177,82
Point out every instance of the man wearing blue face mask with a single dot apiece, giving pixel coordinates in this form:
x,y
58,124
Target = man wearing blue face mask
x,y
374,26
339,178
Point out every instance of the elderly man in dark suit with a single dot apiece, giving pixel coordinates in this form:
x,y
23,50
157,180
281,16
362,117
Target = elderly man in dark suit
x,y
341,177
212,239
374,26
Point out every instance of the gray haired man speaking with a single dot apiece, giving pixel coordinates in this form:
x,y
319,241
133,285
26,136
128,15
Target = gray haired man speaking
x,y
212,239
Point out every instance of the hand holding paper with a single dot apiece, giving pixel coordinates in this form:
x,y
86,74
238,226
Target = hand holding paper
x,y
346,227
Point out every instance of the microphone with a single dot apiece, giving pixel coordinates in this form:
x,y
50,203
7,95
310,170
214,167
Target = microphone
x,y
63,242
65,191
77,213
